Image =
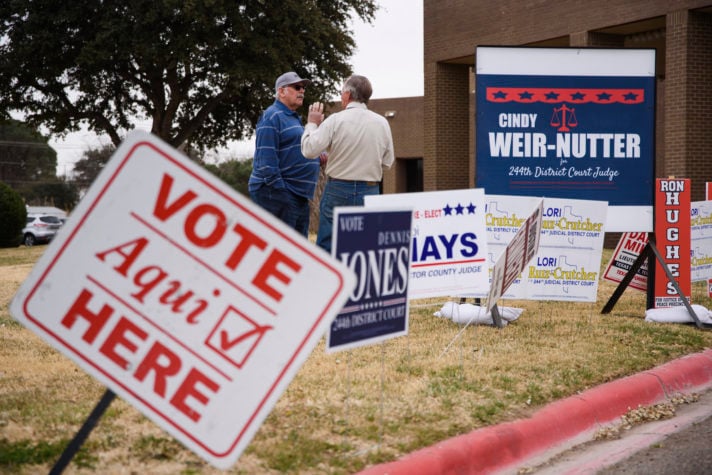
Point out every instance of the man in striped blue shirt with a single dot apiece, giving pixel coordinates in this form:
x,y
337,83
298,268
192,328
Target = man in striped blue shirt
x,y
283,180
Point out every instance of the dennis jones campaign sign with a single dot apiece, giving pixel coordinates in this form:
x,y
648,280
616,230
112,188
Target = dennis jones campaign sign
x,y
183,297
569,123
375,245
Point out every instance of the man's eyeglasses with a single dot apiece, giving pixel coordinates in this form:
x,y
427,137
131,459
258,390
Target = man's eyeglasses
x,y
296,87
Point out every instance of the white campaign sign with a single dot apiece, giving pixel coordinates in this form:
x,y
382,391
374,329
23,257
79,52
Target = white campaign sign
x,y
449,240
701,240
517,254
629,247
566,266
183,297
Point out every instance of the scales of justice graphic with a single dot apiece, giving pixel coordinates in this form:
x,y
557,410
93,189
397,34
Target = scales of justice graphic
x,y
564,117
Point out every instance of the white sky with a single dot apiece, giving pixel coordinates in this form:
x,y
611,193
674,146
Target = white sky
x,y
389,52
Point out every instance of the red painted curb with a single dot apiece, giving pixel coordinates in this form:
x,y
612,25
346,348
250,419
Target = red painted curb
x,y
495,448
685,373
612,400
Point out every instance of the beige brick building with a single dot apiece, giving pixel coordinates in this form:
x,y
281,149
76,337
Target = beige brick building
x,y
434,134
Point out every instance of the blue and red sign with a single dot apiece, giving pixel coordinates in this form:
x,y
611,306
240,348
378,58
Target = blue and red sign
x,y
571,133
566,137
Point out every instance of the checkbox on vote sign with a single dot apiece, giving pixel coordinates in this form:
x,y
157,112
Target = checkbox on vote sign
x,y
236,336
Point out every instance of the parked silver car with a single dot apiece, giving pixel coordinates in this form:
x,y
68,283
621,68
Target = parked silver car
x,y
40,228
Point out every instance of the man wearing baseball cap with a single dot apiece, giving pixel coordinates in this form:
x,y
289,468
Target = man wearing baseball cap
x,y
283,180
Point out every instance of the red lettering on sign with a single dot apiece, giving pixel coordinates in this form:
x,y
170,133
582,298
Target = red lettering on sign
x,y
210,233
155,355
163,212
118,337
129,251
270,269
147,280
127,337
199,213
249,240
189,389
96,320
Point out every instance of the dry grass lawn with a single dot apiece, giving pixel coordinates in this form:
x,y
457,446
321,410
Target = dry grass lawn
x,y
347,410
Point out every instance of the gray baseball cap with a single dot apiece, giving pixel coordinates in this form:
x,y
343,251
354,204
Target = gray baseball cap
x,y
290,78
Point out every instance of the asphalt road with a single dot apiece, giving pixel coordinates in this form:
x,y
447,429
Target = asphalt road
x,y
679,445
683,453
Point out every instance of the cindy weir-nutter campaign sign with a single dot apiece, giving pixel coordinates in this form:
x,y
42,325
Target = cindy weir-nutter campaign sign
x,y
569,123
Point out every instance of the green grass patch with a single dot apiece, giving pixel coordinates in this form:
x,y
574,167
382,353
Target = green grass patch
x,y
19,453
343,411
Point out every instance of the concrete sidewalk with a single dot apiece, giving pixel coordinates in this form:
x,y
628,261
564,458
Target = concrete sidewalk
x,y
558,426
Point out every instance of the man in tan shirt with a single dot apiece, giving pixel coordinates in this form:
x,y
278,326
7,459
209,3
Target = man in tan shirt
x,y
359,145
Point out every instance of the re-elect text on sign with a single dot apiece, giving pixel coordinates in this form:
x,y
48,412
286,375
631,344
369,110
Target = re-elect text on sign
x,y
183,297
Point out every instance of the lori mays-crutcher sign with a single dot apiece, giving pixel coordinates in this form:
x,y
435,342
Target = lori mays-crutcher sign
x,y
519,252
569,123
566,265
182,297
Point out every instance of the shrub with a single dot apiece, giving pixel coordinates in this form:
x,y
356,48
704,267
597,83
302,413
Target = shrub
x,y
13,216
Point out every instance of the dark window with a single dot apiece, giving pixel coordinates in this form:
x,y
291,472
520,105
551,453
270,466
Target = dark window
x,y
414,174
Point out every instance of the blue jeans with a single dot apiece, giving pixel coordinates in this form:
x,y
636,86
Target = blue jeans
x,y
339,193
290,208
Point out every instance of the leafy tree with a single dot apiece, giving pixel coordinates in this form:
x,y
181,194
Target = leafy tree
x,y
25,156
201,72
13,215
28,165
87,168
234,172
57,192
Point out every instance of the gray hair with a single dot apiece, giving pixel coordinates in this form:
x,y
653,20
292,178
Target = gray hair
x,y
359,88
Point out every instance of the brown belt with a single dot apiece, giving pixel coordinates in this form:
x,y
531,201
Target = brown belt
x,y
367,183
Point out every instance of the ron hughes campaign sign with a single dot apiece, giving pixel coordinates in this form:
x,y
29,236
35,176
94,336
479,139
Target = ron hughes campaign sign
x,y
569,123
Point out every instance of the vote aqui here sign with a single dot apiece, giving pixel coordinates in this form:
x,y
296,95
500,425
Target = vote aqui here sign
x,y
182,297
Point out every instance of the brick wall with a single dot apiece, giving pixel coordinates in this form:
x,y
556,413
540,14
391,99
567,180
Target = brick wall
x,y
698,147
406,121
688,112
675,93
452,29
447,132
680,31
